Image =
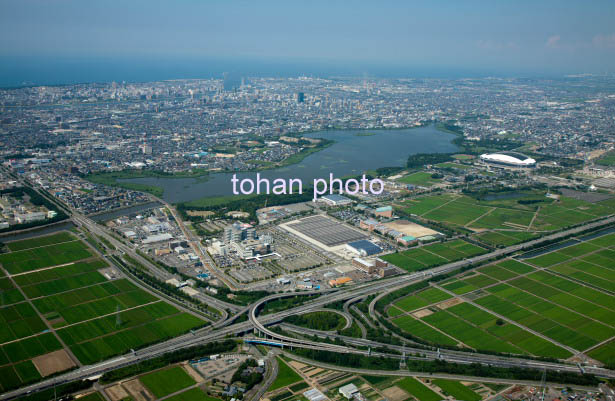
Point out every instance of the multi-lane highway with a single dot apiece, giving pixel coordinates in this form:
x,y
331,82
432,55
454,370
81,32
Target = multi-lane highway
x,y
259,324
95,228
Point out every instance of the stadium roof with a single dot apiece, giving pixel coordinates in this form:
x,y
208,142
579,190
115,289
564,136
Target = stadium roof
x,y
510,158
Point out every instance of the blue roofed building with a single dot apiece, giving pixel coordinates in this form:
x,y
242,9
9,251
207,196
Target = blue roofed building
x,y
335,200
363,248
384,211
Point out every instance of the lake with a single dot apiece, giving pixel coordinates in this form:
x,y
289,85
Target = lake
x,y
351,154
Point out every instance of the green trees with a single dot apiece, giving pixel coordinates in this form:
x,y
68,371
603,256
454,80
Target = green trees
x,y
167,359
325,321
421,159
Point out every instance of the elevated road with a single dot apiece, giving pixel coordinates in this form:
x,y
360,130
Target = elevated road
x,y
260,323
95,228
209,334
450,356
196,245
405,372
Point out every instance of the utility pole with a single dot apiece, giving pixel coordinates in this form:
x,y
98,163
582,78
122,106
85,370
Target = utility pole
x,y
543,384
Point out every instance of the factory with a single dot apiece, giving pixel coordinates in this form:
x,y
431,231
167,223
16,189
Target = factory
x,y
242,238
335,200
363,248
238,232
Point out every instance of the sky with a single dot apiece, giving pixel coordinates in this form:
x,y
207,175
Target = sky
x,y
490,37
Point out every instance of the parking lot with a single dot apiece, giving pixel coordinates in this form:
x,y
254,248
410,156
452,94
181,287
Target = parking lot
x,y
222,367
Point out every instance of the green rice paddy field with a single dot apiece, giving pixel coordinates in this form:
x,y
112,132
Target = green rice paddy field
x,y
457,390
431,255
552,305
167,381
418,390
507,220
65,291
286,376
419,178
435,389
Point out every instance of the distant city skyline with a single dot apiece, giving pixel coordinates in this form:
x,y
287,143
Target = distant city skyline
x,y
73,41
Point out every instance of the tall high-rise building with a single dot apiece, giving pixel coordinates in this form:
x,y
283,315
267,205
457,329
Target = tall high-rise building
x,y
300,97
146,149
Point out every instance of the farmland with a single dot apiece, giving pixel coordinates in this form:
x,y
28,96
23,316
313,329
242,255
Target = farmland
x,y
167,381
506,218
48,255
418,389
436,254
466,324
286,376
16,357
589,262
457,390
420,178
553,305
193,394
54,294
40,241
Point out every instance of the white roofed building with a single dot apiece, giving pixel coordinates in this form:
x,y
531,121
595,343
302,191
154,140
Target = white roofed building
x,y
508,160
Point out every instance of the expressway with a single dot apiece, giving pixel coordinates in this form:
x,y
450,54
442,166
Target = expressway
x,y
226,327
81,220
406,372
448,355
95,228
196,245
451,356
208,334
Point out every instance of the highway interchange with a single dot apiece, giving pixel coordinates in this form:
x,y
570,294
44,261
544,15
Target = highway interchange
x,y
259,324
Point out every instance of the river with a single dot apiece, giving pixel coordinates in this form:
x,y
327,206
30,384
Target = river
x,y
351,154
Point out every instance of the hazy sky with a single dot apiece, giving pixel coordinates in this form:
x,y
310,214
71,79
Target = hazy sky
x,y
525,36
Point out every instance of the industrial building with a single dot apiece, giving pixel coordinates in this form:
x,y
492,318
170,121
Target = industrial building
x,y
385,211
251,247
369,266
363,248
335,200
407,240
368,224
326,231
339,281
387,271
238,232
349,390
314,395
157,238
30,217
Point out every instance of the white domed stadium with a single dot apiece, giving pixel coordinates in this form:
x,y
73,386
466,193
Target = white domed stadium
x,y
508,159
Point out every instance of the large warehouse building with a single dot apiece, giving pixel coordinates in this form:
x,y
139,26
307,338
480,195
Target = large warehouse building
x,y
508,160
